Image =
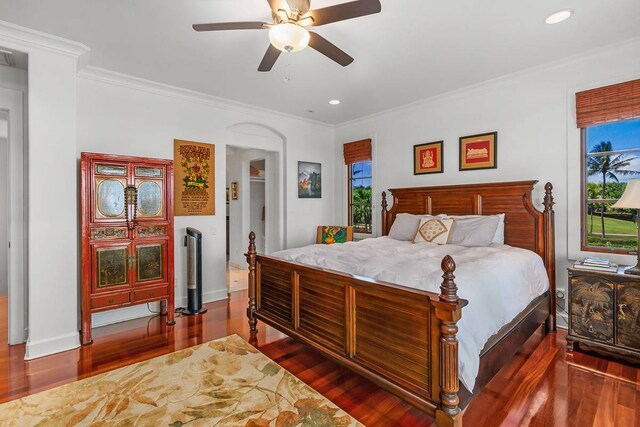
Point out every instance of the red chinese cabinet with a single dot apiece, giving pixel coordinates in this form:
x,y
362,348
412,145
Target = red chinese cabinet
x,y
127,235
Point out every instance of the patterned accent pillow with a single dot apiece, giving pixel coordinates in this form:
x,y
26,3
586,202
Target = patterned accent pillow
x,y
331,234
436,230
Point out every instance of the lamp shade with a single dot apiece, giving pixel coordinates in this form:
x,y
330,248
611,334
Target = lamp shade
x,y
631,197
289,37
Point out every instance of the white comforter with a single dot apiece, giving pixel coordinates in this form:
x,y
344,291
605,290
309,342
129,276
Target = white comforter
x,y
499,281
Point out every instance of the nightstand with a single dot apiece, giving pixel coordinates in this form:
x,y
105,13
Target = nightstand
x,y
605,312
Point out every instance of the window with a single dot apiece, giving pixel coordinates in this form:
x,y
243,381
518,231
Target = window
x,y
357,157
612,157
609,119
360,196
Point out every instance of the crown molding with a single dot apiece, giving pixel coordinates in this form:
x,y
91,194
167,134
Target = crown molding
x,y
27,38
497,80
119,79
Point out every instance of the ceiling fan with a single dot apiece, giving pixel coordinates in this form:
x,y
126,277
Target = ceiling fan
x,y
288,33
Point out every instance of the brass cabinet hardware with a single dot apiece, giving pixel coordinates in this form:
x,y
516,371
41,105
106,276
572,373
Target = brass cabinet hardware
x,y
110,300
132,261
131,198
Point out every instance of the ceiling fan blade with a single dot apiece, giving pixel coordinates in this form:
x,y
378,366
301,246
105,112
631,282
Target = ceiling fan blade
x,y
279,4
222,26
340,12
269,58
328,49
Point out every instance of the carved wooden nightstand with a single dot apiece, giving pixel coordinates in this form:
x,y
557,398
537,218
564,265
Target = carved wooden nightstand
x,y
605,312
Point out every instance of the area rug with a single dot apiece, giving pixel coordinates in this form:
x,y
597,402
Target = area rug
x,y
226,382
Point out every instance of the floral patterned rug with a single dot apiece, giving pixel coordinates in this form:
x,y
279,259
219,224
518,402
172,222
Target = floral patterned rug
x,y
225,382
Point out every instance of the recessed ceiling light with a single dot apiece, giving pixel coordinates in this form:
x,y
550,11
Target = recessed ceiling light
x,y
559,16
334,102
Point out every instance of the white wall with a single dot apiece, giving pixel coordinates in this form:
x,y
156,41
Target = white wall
x,y
529,111
52,178
122,115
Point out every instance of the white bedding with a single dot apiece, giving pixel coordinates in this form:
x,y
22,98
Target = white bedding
x,y
499,281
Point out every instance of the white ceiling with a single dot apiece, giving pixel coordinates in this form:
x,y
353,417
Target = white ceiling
x,y
412,50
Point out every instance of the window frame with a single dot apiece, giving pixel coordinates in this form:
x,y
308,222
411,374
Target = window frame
x,y
350,203
584,247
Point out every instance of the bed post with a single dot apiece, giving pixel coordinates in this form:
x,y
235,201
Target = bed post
x,y
448,311
383,223
251,260
549,253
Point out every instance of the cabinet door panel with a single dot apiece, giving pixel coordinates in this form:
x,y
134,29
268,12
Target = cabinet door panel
x,y
592,308
628,315
111,267
109,201
150,265
149,182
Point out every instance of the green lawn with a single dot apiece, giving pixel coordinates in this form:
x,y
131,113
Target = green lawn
x,y
612,226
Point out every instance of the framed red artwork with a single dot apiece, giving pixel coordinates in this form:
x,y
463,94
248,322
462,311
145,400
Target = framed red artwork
x,y
427,158
479,151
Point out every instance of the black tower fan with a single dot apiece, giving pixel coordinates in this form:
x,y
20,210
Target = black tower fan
x,y
193,242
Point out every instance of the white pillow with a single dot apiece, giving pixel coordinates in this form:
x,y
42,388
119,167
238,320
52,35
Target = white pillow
x,y
498,237
434,230
406,225
474,231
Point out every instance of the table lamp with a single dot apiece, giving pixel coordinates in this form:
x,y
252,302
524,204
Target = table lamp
x,y
631,200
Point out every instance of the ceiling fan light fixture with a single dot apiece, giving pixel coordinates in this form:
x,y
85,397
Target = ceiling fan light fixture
x,y
289,37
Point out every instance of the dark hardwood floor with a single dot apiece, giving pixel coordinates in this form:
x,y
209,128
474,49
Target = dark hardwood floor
x,y
542,386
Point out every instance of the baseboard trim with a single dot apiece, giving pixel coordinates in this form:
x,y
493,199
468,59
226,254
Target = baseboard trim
x,y
140,311
36,349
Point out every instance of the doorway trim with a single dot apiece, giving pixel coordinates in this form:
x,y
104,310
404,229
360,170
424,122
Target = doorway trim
x,y
12,102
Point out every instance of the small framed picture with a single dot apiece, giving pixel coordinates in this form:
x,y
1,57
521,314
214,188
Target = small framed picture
x,y
479,151
309,180
427,158
234,191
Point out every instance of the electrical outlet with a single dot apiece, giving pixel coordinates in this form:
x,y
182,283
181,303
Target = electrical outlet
x,y
213,231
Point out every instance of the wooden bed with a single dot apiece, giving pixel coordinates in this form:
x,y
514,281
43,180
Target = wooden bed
x,y
401,338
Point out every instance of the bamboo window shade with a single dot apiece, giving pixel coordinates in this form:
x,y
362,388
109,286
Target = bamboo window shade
x,y
608,104
357,151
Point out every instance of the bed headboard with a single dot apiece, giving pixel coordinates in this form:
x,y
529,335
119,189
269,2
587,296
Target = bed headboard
x,y
525,226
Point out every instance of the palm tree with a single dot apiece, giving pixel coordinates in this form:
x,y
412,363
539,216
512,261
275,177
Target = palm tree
x,y
609,167
592,193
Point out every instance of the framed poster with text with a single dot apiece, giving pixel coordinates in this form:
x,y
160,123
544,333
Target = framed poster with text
x,y
479,151
194,183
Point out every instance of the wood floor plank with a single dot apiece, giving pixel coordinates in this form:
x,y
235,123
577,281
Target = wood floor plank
x,y
542,386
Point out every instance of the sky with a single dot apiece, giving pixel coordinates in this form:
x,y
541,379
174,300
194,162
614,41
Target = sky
x,y
623,136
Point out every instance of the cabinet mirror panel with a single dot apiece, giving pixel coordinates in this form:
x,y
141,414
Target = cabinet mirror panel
x,y
149,262
112,266
150,201
110,198
148,172
119,170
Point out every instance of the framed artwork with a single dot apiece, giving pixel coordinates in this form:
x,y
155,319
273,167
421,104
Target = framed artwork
x,y
309,180
427,158
479,151
194,185
234,191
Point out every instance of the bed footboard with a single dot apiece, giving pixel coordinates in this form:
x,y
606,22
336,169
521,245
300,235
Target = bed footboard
x,y
400,338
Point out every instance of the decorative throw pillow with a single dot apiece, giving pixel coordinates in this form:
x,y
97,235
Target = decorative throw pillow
x,y
331,234
434,230
405,226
